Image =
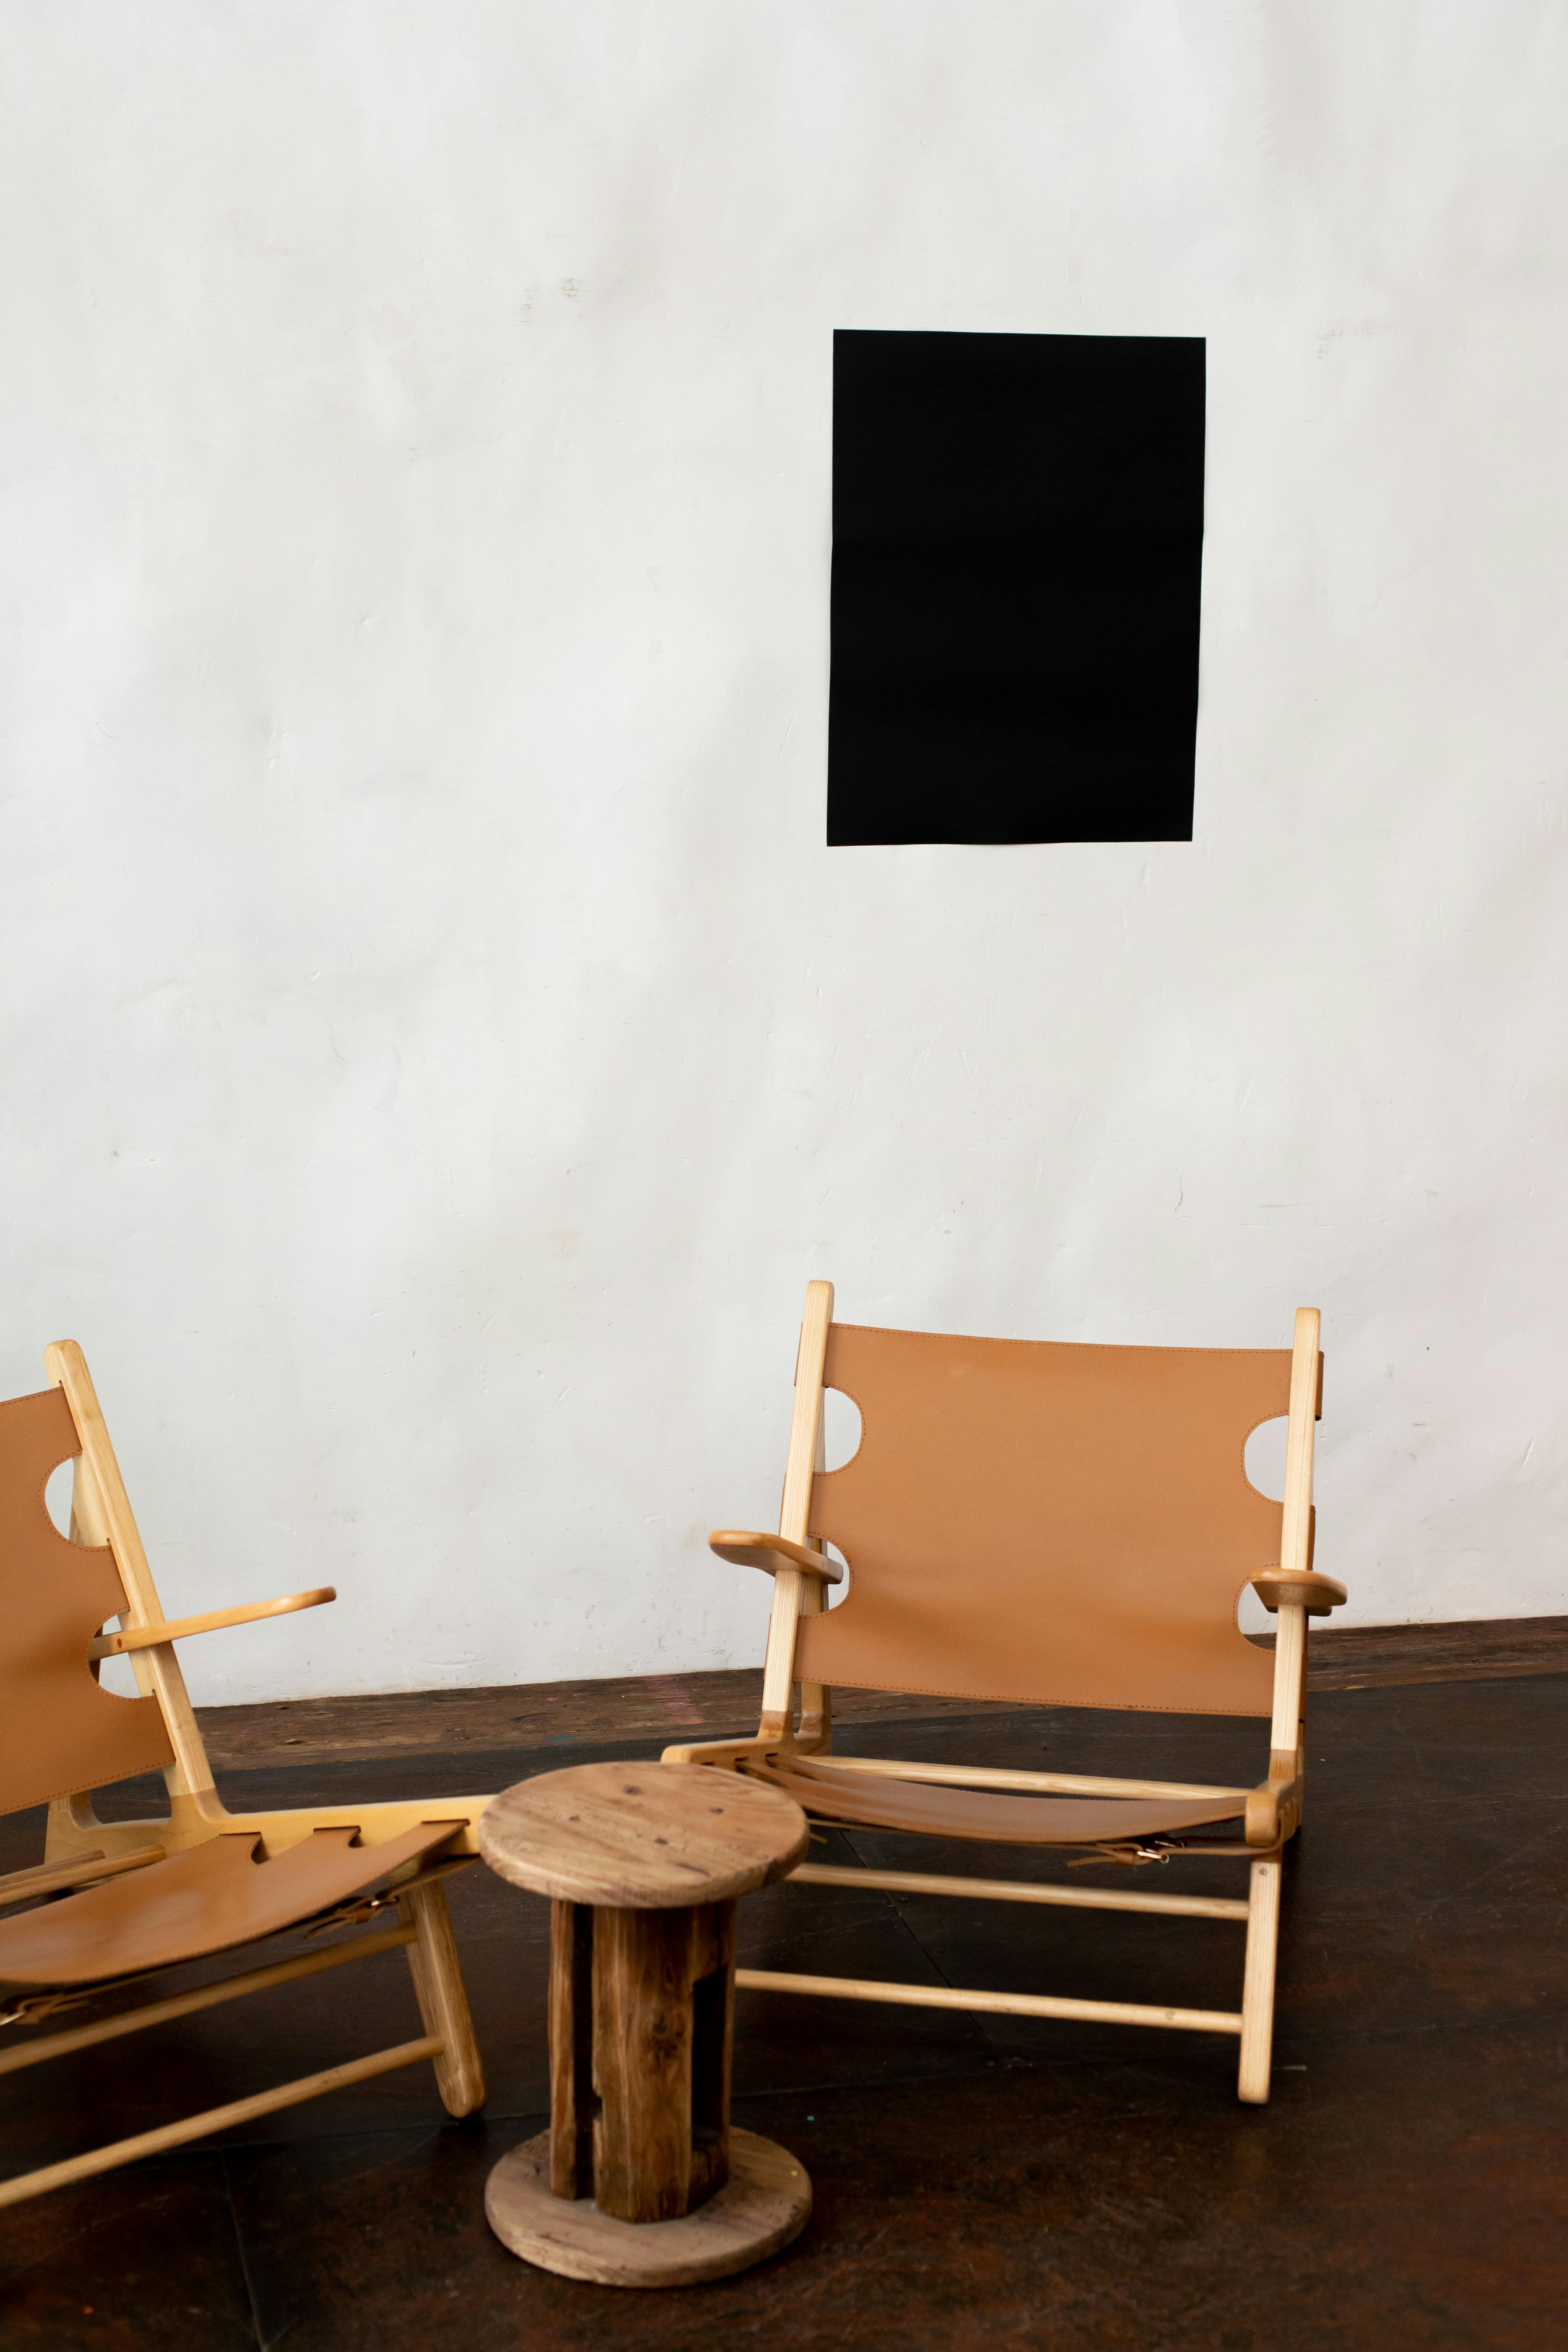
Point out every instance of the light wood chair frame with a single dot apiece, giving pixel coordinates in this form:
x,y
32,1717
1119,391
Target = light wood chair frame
x,y
81,1848
1271,1809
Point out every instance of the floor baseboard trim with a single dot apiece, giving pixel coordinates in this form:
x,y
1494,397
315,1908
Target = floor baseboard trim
x,y
658,1707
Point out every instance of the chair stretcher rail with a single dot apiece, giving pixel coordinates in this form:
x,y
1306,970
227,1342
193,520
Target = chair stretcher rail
x,y
216,2119
998,2004
185,2004
1013,1890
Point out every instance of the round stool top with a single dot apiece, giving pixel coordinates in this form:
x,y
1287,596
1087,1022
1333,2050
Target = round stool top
x,y
642,1837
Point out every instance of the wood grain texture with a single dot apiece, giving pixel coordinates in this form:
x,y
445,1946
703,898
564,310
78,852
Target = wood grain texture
x,y
744,1547
1289,1677
641,2024
1255,2063
993,2004
815,1729
644,1967
712,2049
376,1823
443,2004
572,2097
641,1836
102,1512
1317,1595
794,1509
1019,1890
963,2177
659,1707
764,2204
1306,1402
213,1621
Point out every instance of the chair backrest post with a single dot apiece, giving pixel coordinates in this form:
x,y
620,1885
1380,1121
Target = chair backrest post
x,y
794,1512
815,1699
101,1514
1295,1541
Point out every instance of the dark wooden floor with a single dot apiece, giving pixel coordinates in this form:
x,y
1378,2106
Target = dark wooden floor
x,y
980,2182
666,1707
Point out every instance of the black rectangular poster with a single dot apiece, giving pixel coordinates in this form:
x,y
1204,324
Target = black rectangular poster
x,y
1017,556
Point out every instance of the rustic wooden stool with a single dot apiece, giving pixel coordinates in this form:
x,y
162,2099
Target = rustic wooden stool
x,y
640,2182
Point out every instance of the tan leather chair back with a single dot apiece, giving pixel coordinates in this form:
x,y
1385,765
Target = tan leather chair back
x,y
59,1732
1050,1522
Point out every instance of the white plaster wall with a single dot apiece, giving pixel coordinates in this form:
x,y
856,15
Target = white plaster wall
x,y
438,1045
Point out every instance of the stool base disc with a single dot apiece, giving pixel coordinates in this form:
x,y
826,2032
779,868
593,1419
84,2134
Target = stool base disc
x,y
764,2204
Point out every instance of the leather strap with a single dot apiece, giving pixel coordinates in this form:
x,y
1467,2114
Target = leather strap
x,y
980,1813
208,1898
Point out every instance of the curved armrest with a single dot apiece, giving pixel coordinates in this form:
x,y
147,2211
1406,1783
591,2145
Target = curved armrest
x,y
144,1637
1304,1587
748,1549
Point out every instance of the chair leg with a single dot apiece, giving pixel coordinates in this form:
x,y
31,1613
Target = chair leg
x,y
443,2000
1257,1984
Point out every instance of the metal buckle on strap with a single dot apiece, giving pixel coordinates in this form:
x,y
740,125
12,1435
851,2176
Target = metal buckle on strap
x,y
354,1913
32,2007
1133,1855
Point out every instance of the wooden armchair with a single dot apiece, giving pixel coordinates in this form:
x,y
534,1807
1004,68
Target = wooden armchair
x,y
1065,1525
116,1900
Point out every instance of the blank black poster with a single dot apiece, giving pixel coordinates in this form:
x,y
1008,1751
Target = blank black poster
x,y
1017,556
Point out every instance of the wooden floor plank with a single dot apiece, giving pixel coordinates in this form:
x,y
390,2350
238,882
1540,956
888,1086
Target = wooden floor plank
x,y
661,1706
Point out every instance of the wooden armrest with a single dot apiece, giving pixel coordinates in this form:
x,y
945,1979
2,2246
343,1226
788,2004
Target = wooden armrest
x,y
54,1878
748,1549
144,1637
1304,1587
1273,1807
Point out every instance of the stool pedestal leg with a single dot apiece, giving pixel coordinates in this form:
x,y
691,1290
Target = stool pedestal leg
x,y
641,2027
571,2099
663,1989
641,2022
